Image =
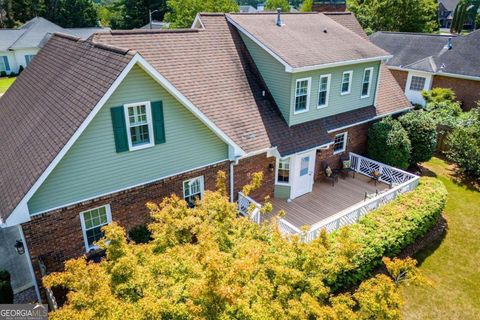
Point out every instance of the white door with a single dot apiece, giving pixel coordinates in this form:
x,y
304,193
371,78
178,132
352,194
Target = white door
x,y
303,173
416,82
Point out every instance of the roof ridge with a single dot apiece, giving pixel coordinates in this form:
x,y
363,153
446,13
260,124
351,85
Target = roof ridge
x,y
270,13
419,34
337,13
148,31
103,46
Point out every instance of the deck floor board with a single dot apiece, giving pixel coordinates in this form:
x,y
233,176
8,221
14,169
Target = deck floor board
x,y
325,200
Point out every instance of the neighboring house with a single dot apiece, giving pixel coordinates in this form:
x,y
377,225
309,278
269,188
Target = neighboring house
x,y
425,61
19,46
247,9
445,12
329,6
128,117
157,25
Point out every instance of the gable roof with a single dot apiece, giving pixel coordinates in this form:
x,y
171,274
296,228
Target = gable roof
x,y
211,67
428,52
304,38
46,105
449,4
32,34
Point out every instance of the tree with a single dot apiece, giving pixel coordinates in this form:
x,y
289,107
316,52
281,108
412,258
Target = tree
x,y
129,14
273,5
307,6
388,142
421,129
395,15
205,263
183,12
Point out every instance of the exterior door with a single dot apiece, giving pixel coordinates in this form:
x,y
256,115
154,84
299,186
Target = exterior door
x,y
303,177
416,82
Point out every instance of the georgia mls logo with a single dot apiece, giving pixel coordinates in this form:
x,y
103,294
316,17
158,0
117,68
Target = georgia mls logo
x,y
23,312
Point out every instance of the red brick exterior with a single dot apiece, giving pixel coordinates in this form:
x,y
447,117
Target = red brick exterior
x,y
329,7
467,91
401,77
57,236
356,142
244,169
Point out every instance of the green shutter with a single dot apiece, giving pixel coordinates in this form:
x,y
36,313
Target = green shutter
x,y
119,129
158,122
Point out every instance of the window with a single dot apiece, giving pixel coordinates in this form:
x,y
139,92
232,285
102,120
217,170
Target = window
x,y
323,90
28,58
139,125
304,163
302,91
4,65
340,143
417,83
92,223
283,170
193,190
366,84
346,82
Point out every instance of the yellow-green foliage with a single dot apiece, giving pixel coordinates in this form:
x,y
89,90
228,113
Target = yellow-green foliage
x,y
206,263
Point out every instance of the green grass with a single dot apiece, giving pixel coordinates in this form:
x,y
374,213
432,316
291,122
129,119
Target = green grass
x,y
453,264
5,83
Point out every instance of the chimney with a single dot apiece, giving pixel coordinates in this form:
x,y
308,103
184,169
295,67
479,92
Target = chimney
x,y
279,21
329,6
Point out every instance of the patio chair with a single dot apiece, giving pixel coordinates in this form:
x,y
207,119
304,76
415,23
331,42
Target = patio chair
x,y
329,173
345,167
370,195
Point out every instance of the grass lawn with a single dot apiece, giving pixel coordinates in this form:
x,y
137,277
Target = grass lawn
x,y
5,83
453,264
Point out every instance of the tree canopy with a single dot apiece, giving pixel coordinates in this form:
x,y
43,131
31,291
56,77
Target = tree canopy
x,y
182,12
206,263
273,5
396,15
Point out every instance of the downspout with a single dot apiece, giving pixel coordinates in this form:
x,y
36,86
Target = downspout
x,y
232,178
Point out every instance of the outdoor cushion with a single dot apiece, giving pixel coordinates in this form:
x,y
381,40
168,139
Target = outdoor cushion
x,y
346,164
328,171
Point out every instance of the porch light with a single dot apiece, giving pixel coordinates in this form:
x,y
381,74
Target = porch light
x,y
19,247
270,167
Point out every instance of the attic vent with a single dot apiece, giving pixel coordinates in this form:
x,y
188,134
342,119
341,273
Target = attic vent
x,y
279,21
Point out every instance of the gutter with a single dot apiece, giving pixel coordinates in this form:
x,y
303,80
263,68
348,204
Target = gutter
x,y
445,74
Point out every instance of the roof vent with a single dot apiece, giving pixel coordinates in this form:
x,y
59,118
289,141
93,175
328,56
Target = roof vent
x,y
449,43
325,30
279,21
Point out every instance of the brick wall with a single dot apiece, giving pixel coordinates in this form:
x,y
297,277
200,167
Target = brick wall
x,y
467,91
57,236
329,7
247,166
357,143
401,77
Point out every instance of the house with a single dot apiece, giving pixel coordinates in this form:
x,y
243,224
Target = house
x,y
445,12
128,117
329,6
19,46
247,9
425,61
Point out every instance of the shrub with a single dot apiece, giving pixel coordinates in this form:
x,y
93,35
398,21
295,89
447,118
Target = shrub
x,y
388,142
385,232
20,69
438,95
3,74
140,234
6,291
421,129
464,145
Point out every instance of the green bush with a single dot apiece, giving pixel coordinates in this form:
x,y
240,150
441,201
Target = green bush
x,y
438,95
3,74
140,234
385,232
388,142
6,291
464,144
421,129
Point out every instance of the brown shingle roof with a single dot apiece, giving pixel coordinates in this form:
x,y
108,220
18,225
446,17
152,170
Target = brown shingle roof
x,y
46,105
303,42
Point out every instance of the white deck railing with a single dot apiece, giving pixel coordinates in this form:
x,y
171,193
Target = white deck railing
x,y
399,181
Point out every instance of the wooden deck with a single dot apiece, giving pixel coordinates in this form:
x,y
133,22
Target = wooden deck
x,y
325,200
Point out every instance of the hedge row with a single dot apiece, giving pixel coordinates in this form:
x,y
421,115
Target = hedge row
x,y
385,232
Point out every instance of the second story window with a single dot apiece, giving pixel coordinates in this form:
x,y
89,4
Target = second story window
x,y
366,84
346,82
302,91
139,125
323,90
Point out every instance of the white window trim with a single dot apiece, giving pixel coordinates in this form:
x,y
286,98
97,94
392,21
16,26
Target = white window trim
x,y
329,77
309,80
369,83
84,228
345,142
350,79
148,109
202,185
276,171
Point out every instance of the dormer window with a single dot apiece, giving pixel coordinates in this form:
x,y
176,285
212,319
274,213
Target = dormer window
x,y
346,82
367,81
302,95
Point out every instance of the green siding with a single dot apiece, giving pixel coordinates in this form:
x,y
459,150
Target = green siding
x,y
273,73
336,102
92,166
281,191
